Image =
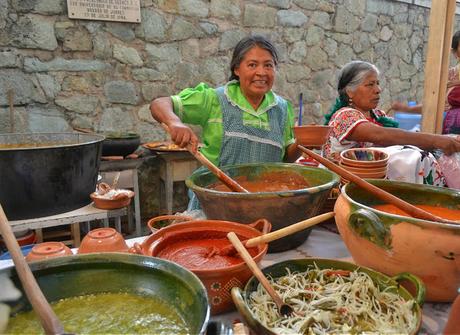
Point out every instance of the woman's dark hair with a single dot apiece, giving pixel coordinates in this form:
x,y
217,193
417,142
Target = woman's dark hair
x,y
350,77
455,40
247,44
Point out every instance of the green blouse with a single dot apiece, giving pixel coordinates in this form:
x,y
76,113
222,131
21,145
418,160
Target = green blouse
x,y
200,106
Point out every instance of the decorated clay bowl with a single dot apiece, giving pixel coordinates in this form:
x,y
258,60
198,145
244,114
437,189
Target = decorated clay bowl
x,y
280,208
364,157
392,243
241,296
312,135
217,279
77,275
103,240
48,250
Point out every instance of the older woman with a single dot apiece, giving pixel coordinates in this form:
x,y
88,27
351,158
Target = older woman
x,y
243,121
356,121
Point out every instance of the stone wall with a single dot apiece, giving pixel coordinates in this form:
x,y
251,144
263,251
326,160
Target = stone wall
x,y
67,73
63,74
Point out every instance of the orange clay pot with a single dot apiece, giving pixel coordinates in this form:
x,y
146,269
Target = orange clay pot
x,y
48,250
391,243
312,135
218,281
103,240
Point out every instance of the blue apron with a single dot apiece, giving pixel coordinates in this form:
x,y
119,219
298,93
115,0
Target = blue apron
x,y
247,144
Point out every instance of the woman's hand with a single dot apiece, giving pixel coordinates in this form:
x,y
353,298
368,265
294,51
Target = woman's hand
x,y
182,135
449,144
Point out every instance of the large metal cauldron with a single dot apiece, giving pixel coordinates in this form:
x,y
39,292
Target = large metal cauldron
x,y
71,276
47,173
281,208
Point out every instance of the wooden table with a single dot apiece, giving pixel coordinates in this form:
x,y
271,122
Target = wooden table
x,y
87,213
175,166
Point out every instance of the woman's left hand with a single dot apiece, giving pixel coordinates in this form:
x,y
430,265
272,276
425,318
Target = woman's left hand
x,y
449,144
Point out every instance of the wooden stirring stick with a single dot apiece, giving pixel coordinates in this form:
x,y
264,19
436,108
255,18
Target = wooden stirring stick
x,y
265,238
283,308
378,192
231,183
48,318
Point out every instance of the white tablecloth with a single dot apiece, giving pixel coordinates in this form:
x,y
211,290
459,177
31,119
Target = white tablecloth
x,y
325,244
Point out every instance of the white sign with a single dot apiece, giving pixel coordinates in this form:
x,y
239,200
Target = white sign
x,y
105,10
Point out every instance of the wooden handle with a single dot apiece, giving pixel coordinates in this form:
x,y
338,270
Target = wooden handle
x,y
48,318
247,258
294,228
232,184
383,195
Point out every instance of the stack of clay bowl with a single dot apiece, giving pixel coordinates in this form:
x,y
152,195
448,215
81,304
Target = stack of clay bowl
x,y
364,162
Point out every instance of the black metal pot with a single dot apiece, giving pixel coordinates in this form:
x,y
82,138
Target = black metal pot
x,y
47,173
120,144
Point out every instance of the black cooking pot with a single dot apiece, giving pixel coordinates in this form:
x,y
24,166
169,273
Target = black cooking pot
x,y
47,173
120,144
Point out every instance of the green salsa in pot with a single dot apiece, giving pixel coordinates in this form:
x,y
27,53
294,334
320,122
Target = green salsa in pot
x,y
107,313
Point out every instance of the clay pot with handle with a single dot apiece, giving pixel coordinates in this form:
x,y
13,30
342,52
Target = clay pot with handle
x,y
219,280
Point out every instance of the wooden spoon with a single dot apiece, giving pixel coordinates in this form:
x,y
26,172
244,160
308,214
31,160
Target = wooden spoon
x,y
265,238
48,318
231,183
283,308
378,192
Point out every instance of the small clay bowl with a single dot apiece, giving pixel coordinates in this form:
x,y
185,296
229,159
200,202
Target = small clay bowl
x,y
122,200
360,157
103,240
48,250
364,169
312,135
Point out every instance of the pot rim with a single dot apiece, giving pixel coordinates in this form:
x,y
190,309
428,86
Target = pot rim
x,y
420,222
156,238
82,139
310,190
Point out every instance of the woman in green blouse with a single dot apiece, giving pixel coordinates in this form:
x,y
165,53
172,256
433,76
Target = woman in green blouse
x,y
242,121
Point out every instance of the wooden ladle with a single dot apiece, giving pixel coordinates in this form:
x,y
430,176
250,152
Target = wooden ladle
x,y
283,308
378,192
224,178
48,318
265,238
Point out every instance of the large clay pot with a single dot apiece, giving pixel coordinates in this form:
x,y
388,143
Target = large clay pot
x,y
392,243
76,275
281,208
301,265
218,281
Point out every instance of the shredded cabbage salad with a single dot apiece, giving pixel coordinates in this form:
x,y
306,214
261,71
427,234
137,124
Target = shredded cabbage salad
x,y
331,301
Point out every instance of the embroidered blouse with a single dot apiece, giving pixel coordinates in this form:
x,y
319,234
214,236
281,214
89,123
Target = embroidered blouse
x,y
343,122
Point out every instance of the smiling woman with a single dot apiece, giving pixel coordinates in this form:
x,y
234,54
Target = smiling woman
x,y
243,121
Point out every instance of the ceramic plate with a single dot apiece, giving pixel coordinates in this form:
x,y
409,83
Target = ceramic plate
x,y
163,146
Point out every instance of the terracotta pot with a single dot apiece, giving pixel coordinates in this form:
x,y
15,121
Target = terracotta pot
x,y
301,265
392,243
312,135
122,201
73,276
48,250
218,281
453,325
281,208
103,240
364,157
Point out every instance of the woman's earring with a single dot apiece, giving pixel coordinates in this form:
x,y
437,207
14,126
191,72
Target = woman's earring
x,y
350,102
